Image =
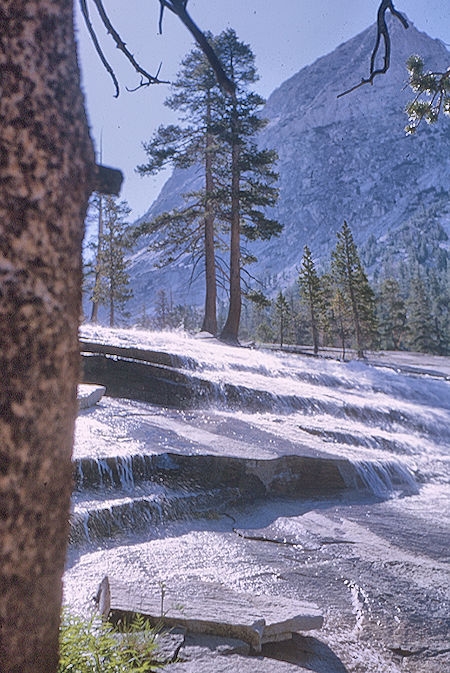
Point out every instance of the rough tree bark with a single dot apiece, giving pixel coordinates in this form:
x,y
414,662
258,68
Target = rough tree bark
x,y
46,175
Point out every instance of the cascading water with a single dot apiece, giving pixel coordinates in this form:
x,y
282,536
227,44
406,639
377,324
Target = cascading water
x,y
380,425
197,459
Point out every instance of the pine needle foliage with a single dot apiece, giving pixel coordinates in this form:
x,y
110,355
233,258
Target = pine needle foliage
x,y
432,91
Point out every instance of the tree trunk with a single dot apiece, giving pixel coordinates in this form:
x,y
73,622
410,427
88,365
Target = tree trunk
x,y
231,328
94,314
315,334
111,311
210,318
46,174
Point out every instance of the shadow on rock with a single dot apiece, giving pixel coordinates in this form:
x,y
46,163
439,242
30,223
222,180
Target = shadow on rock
x,y
306,651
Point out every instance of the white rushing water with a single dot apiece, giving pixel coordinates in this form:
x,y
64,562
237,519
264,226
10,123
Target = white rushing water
x,y
376,417
173,496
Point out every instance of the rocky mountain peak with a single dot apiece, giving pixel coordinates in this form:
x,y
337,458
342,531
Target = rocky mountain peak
x,y
339,158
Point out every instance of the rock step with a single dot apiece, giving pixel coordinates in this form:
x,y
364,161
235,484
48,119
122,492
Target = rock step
x,y
89,394
168,386
211,609
292,475
134,353
126,513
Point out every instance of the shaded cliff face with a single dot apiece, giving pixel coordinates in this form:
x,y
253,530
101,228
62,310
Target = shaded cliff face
x,y
346,158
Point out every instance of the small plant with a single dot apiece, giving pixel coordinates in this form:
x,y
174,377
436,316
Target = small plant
x,y
93,646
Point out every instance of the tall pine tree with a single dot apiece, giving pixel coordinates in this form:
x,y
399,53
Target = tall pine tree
x,y
248,177
391,312
282,313
421,332
351,281
197,99
311,293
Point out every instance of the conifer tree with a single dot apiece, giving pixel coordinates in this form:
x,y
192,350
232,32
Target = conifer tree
x,y
248,178
351,280
391,312
97,203
217,130
197,99
337,314
421,332
282,313
311,293
112,288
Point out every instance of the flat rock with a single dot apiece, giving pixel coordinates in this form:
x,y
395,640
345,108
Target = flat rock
x,y
89,394
212,609
198,646
168,645
234,664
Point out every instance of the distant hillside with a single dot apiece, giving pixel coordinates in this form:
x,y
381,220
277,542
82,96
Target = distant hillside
x,y
338,158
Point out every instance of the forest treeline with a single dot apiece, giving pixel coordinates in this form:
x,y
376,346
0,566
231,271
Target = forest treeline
x,y
405,306
406,311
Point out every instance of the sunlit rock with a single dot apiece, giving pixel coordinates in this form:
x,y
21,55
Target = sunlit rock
x,y
212,609
89,394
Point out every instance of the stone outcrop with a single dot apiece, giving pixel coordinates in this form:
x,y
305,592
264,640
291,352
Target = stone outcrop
x,y
211,609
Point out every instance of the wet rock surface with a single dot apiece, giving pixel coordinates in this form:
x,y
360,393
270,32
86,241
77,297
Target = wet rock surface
x,y
380,600
173,497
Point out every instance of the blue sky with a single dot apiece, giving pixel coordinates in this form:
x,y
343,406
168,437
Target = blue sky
x,y
285,36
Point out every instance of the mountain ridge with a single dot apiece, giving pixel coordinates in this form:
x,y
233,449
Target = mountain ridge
x,y
346,158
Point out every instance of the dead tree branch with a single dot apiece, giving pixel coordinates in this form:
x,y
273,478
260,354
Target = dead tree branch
x,y
146,77
382,33
178,7
98,49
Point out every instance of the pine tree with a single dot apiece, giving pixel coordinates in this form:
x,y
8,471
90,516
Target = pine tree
x,y
351,280
162,310
337,315
391,312
311,293
421,333
282,313
248,178
112,289
217,131
97,203
197,99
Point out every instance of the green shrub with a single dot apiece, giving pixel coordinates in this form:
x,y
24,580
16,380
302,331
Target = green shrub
x,y
93,646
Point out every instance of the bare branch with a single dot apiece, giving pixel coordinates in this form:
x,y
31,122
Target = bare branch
x,y
178,7
382,32
146,78
98,49
120,44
